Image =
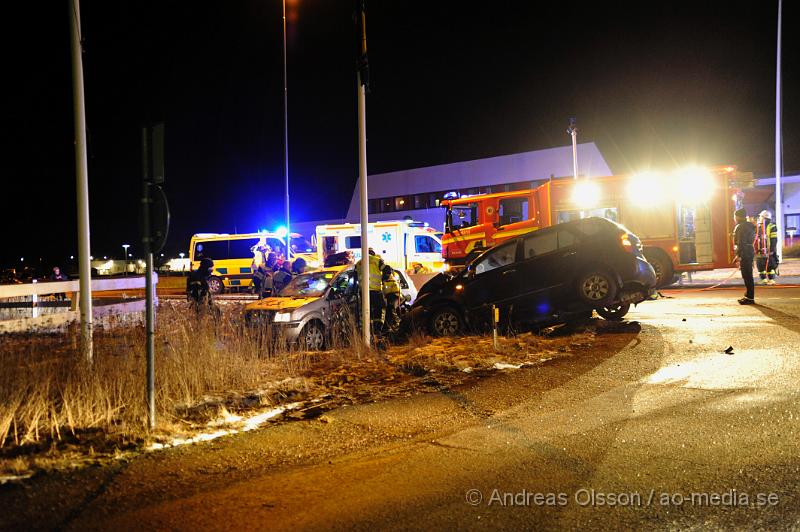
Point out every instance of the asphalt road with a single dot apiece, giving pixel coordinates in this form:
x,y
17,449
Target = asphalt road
x,y
656,429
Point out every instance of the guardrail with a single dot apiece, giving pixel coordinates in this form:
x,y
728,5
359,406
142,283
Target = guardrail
x,y
27,296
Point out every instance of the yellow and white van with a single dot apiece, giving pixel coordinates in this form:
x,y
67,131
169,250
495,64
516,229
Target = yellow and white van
x,y
233,256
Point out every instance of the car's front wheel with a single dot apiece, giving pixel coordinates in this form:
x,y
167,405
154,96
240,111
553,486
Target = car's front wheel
x,y
312,337
614,312
215,285
446,321
596,288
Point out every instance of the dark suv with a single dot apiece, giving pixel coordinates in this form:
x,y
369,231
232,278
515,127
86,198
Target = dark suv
x,y
547,275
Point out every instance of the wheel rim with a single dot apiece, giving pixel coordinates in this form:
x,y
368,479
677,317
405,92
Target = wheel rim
x,y
214,285
314,338
446,323
595,287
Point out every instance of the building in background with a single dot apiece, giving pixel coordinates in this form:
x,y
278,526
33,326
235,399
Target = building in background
x,y
415,194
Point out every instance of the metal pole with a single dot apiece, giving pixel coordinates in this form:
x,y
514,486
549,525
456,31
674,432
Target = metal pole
x,y
573,131
778,142
149,312
286,136
362,177
82,182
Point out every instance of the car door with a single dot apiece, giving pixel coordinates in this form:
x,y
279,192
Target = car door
x,y
548,265
491,280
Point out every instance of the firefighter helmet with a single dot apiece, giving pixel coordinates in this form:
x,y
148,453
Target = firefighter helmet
x,y
765,214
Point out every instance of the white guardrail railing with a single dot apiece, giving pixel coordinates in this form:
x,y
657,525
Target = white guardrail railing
x,y
27,296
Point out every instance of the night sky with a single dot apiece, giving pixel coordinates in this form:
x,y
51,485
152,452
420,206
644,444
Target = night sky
x,y
653,84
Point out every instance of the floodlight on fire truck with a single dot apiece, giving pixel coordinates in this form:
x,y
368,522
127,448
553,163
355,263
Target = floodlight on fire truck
x,y
585,194
694,185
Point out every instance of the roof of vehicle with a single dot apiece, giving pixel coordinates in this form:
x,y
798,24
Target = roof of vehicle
x,y
469,199
235,236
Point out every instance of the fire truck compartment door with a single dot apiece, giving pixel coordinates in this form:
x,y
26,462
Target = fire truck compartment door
x,y
703,236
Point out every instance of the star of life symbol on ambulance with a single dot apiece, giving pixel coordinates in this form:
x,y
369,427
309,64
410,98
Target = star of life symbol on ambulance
x,y
386,237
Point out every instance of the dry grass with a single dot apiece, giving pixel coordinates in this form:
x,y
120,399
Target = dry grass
x,y
48,393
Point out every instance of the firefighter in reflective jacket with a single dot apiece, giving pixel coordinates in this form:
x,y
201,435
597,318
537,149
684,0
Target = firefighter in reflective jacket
x,y
376,301
766,248
391,291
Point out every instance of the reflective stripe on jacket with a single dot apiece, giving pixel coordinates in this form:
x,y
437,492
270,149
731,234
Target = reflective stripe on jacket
x,y
375,272
391,287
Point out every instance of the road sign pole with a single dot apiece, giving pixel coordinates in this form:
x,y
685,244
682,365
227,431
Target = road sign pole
x,y
148,282
82,181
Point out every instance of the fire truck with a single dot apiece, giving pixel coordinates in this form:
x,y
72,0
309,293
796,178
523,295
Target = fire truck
x,y
684,218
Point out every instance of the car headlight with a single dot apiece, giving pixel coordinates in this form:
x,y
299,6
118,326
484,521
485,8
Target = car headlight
x,y
283,316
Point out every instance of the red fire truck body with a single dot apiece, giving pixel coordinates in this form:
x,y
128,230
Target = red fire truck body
x,y
684,219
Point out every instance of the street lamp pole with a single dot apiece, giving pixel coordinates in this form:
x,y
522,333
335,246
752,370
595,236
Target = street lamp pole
x,y
362,78
573,132
778,142
82,178
125,265
286,136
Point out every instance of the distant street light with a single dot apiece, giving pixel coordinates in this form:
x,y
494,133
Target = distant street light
x,y
125,247
181,255
22,259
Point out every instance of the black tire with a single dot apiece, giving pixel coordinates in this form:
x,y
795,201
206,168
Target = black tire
x,y
597,288
662,266
215,285
312,337
614,312
446,321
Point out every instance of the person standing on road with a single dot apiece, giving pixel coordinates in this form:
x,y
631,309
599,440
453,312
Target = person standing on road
x,y
744,236
376,302
197,284
766,248
281,277
58,275
391,291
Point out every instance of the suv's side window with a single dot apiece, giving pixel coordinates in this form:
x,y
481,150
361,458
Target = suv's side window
x,y
539,244
501,256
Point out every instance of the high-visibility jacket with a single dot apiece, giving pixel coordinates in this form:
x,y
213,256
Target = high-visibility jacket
x,y
375,272
391,287
766,238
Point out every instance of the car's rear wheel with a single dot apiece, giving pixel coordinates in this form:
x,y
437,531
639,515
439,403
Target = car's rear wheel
x,y
614,312
446,321
312,337
596,288
215,285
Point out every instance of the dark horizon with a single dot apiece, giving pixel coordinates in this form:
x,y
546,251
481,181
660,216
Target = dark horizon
x,y
654,86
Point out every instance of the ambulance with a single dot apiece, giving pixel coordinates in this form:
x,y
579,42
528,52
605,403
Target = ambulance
x,y
404,245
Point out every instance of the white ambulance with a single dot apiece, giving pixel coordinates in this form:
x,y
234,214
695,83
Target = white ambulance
x,y
404,245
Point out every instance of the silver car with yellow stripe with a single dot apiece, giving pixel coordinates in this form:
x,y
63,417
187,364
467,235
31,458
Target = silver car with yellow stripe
x,y
305,309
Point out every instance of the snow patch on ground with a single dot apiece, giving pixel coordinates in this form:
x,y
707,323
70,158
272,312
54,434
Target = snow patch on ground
x,y
247,424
